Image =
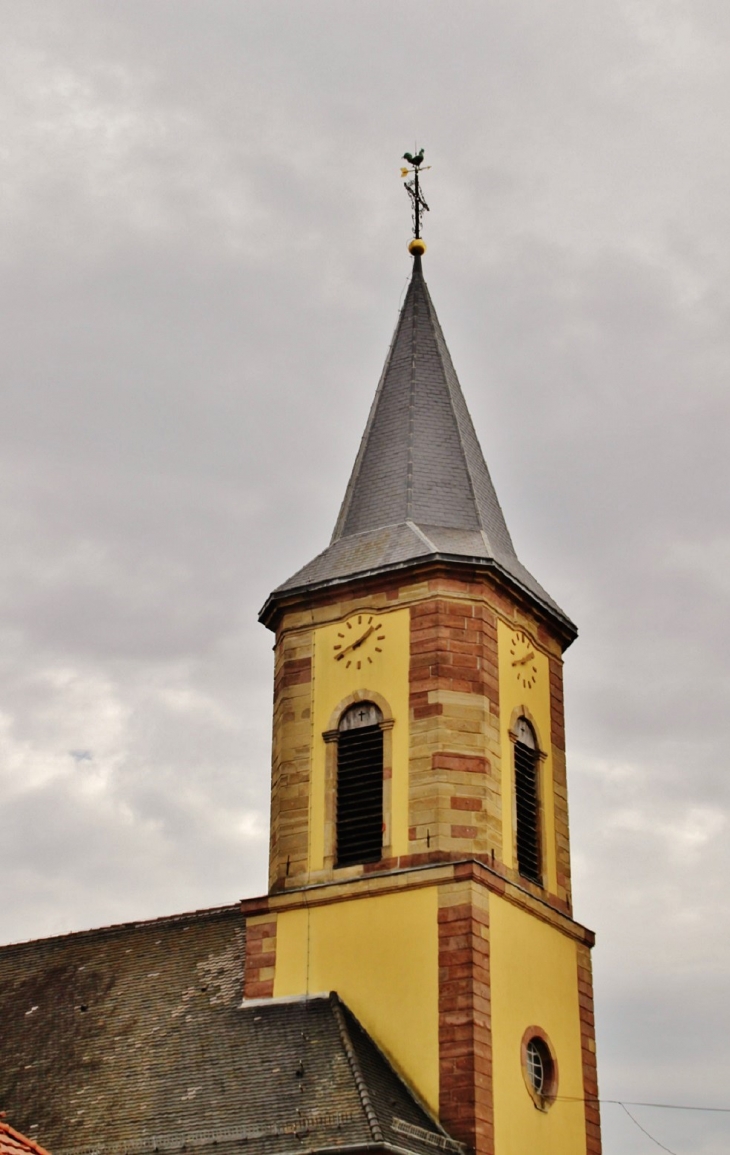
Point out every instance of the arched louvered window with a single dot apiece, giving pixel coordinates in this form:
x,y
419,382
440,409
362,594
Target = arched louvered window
x,y
360,785
527,798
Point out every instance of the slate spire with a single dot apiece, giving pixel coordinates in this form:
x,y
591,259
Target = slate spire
x,y
420,487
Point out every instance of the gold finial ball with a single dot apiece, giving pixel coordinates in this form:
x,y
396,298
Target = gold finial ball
x,y
417,247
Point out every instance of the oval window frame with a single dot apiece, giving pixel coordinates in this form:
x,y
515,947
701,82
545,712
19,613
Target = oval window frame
x,y
544,1098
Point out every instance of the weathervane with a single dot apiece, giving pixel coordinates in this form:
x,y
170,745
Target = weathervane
x,y
413,188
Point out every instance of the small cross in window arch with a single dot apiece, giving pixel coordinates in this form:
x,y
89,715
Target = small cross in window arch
x,y
362,715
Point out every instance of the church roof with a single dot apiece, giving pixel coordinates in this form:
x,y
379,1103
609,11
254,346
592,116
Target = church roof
x,y
420,488
134,1039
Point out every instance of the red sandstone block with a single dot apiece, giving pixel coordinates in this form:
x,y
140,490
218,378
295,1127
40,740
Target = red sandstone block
x,y
295,671
458,1093
462,1065
424,645
447,1006
460,803
462,763
259,930
450,971
265,960
455,1024
451,987
452,984
468,648
448,609
451,913
461,1114
450,1049
449,949
461,685
458,942
455,974
457,670
421,662
454,958
485,1127
461,922
460,1000
430,711
463,831
256,990
422,610
482,1048
455,1040
478,941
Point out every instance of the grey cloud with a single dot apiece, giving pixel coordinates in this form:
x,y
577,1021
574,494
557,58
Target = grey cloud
x,y
203,250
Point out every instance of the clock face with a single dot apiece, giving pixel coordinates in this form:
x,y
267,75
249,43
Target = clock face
x,y
360,638
522,657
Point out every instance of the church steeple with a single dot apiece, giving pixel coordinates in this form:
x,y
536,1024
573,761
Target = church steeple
x,y
420,489
420,851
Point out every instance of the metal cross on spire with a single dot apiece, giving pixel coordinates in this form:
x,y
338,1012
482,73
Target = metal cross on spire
x,y
413,188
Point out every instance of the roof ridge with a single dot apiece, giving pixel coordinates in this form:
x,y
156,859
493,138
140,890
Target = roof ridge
x,y
370,1114
412,381
445,367
132,924
404,1082
426,540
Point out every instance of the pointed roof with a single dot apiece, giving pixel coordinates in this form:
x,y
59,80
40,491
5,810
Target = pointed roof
x,y
420,488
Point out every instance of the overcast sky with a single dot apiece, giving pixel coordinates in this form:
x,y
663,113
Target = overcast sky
x,y
203,254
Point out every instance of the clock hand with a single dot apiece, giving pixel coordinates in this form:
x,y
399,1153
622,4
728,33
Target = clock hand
x,y
365,636
522,661
357,642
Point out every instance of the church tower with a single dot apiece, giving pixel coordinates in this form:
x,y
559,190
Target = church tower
x,y
420,854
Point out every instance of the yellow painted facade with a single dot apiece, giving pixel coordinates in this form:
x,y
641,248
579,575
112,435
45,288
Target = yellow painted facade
x,y
533,702
377,673
380,953
374,935
534,982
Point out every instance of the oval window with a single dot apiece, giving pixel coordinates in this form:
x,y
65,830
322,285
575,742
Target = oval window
x,y
539,1068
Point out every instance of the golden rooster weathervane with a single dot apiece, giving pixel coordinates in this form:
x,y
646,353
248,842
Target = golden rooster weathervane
x,y
413,188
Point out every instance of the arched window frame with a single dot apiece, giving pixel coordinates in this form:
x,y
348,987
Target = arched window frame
x,y
540,756
331,737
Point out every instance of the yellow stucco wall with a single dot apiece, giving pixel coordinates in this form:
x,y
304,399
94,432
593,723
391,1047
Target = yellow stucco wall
x,y
534,702
380,953
386,674
534,983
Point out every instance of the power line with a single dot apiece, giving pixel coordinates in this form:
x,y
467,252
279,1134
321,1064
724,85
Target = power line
x,y
660,1106
628,1103
638,1124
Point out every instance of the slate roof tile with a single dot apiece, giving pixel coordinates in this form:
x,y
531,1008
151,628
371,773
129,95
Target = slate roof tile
x,y
133,1039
